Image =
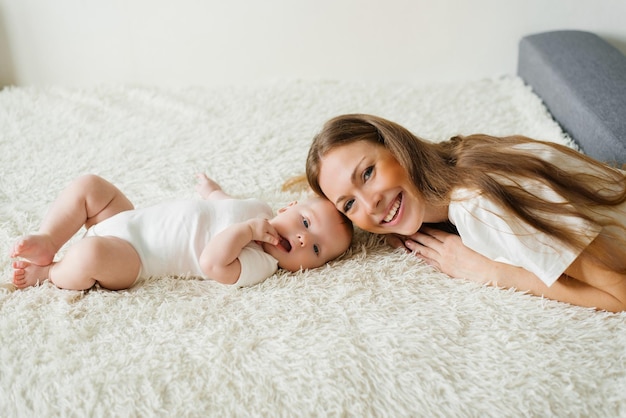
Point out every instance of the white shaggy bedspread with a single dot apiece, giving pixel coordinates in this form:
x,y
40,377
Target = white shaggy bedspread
x,y
375,333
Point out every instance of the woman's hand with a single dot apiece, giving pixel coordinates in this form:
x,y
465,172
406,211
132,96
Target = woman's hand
x,y
445,252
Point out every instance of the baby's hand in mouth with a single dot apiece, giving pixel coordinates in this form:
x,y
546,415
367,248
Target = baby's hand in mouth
x,y
284,243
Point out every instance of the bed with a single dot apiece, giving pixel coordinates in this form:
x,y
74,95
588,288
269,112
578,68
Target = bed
x,y
374,333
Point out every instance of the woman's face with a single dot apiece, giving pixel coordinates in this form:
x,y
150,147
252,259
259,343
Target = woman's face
x,y
366,182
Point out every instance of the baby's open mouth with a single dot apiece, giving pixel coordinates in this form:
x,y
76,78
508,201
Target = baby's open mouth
x,y
284,243
393,212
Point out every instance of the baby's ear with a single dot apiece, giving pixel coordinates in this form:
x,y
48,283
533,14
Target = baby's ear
x,y
281,210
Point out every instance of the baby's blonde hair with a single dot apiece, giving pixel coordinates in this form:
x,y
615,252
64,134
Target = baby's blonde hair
x,y
297,184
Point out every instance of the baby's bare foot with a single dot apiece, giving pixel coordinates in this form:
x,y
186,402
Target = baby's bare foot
x,y
38,249
206,186
26,274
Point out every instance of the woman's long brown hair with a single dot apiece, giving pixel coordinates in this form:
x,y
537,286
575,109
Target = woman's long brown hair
x,y
493,166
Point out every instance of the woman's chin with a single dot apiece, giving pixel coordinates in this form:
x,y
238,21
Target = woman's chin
x,y
405,230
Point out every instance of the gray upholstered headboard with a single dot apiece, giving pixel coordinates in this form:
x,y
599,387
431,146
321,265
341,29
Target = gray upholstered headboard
x,y
582,80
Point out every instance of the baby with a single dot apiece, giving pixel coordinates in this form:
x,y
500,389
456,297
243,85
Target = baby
x,y
232,241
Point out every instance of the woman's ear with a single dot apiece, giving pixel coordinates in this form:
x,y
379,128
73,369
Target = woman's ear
x,y
281,210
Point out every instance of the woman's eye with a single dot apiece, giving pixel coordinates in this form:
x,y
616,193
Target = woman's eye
x,y
348,205
368,173
305,222
316,249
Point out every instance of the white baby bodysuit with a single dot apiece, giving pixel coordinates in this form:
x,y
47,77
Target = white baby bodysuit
x,y
169,237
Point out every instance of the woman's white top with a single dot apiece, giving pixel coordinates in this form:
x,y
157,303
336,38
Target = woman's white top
x,y
487,229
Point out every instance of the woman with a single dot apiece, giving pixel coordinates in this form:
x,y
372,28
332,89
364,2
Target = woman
x,y
531,215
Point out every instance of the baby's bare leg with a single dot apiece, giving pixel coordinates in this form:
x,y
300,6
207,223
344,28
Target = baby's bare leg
x,y
86,201
208,188
110,261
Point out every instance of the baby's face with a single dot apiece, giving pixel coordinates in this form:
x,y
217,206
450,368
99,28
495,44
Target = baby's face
x,y
312,234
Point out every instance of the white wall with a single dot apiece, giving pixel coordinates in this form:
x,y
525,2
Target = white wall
x,y
210,42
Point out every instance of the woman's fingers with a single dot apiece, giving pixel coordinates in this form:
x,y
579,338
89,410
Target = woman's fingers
x,y
395,241
425,240
435,233
416,248
428,254
429,244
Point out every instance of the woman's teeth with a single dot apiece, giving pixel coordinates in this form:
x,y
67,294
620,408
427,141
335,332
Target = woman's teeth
x,y
393,211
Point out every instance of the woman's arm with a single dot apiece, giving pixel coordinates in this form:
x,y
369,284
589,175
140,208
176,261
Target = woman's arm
x,y
447,253
220,258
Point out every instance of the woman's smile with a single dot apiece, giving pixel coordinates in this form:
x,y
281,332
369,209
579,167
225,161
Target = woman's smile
x,y
392,214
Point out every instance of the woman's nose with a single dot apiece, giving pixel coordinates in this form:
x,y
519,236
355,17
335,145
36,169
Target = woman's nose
x,y
371,203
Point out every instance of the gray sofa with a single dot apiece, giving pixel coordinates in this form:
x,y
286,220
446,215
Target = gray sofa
x,y
582,81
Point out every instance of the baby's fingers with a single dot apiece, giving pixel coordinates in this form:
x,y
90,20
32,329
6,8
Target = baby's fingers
x,y
263,231
270,239
271,234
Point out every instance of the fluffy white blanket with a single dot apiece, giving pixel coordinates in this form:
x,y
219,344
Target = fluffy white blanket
x,y
372,334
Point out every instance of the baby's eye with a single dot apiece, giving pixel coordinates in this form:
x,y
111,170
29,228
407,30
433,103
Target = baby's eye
x,y
368,173
316,249
305,222
348,205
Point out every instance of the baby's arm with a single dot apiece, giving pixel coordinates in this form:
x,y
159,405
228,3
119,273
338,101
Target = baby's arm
x,y
209,189
219,259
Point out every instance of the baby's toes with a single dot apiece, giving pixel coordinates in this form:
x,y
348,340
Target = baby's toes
x,y
19,277
19,265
